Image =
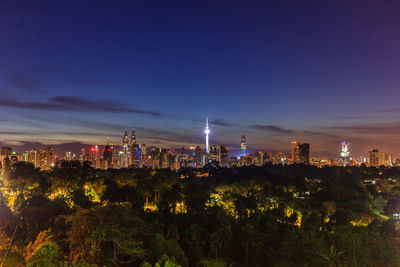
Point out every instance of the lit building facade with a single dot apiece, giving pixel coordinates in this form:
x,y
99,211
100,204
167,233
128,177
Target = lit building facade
x,y
243,146
304,153
223,156
377,158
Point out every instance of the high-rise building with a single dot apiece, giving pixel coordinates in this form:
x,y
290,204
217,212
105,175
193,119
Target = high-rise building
x,y
247,160
243,146
143,156
213,155
155,155
45,159
93,153
268,157
345,153
304,153
69,156
134,150
207,132
125,151
259,158
31,156
223,156
198,153
108,155
233,162
6,151
295,152
166,160
377,158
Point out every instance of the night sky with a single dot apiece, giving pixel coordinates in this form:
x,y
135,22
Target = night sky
x,y
276,71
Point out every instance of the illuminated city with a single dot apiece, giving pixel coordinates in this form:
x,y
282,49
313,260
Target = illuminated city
x,y
129,154
199,133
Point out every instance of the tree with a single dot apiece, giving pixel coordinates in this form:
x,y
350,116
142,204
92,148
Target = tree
x,y
106,235
162,248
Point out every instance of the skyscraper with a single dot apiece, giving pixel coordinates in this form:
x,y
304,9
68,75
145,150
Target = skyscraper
x,y
207,132
304,153
259,158
45,158
6,151
295,152
143,156
223,156
345,153
213,154
125,150
198,153
108,154
243,146
134,150
31,156
377,158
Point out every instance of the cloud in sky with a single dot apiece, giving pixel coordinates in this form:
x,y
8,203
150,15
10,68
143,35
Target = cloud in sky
x,y
222,123
370,129
272,128
394,110
75,103
18,80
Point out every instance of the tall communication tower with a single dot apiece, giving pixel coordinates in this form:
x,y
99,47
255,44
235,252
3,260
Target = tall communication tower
x,y
207,132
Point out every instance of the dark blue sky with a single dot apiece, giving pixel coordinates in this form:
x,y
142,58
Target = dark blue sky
x,y
313,71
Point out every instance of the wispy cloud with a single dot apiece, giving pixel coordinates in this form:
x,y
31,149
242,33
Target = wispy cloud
x,y
388,128
220,122
75,103
272,128
320,134
19,80
394,110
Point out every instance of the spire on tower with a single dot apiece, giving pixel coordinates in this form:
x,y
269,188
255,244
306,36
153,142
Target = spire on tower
x,y
207,132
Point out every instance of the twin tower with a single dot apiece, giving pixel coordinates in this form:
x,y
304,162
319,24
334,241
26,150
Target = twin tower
x,y
130,151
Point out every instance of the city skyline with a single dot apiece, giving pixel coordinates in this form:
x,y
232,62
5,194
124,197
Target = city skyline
x,y
130,154
237,150
320,74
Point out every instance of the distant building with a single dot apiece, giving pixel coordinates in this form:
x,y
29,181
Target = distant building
x,y
6,151
345,153
198,152
223,156
31,156
295,152
46,159
243,146
377,158
267,157
144,159
124,157
69,156
213,154
247,160
259,158
155,156
108,156
233,162
304,153
134,151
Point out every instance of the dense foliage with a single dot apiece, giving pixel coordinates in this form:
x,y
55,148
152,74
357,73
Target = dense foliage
x,y
274,215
